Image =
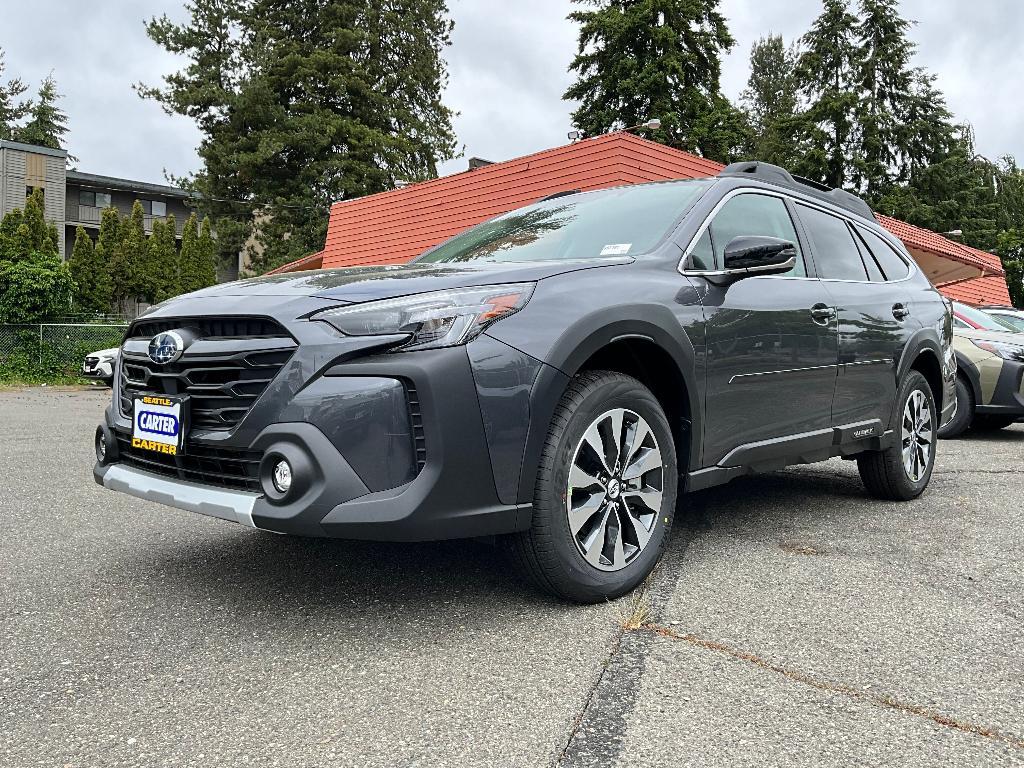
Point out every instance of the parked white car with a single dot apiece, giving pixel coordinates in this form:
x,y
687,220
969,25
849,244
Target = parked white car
x,y
100,365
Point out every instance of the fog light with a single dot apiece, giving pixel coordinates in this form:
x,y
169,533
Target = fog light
x,y
282,476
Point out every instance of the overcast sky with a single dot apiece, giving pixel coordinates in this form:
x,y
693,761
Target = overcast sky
x,y
508,72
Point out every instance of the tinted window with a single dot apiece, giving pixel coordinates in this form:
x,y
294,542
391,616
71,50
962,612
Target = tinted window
x,y
752,214
615,222
892,264
874,271
835,252
702,255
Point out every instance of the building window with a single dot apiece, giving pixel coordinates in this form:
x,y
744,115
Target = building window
x,y
94,199
159,208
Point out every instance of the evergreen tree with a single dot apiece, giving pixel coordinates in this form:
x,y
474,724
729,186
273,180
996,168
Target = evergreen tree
x,y
206,259
30,232
958,191
189,268
771,101
827,72
642,59
90,275
128,261
47,124
305,103
162,261
11,108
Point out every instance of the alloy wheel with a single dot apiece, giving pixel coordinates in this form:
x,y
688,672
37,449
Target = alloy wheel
x,y
918,436
615,489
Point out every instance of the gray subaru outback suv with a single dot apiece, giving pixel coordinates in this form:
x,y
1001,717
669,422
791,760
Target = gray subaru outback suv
x,y
557,376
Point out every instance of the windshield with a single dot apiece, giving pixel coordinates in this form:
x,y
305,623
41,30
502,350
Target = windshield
x,y
1017,321
625,221
983,319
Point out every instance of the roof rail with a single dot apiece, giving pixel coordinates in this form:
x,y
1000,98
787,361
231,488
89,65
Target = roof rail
x,y
773,174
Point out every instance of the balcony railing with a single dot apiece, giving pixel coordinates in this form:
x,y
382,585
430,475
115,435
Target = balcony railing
x,y
90,214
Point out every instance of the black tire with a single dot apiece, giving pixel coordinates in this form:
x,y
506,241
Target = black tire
x,y
987,423
548,553
961,422
883,472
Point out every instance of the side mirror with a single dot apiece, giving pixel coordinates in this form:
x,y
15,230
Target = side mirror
x,y
757,255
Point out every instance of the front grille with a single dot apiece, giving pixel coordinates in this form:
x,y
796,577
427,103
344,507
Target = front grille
x,y
222,388
222,467
416,419
211,327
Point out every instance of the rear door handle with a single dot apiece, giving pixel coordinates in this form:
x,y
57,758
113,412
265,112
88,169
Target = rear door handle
x,y
899,311
822,313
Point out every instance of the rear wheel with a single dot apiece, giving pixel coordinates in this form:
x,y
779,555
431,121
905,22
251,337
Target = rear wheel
x,y
964,411
902,471
605,492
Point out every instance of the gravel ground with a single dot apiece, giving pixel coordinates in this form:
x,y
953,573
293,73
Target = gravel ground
x,y
794,622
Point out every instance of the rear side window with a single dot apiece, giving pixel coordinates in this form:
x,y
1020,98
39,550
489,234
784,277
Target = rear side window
x,y
753,214
892,264
835,251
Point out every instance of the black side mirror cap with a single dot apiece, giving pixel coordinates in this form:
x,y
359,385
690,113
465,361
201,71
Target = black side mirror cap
x,y
756,254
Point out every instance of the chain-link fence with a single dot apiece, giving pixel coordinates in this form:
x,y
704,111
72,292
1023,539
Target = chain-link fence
x,y
52,350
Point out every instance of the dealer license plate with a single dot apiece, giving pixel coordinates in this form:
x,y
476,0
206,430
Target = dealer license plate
x,y
159,423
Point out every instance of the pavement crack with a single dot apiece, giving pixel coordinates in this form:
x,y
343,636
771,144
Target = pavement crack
x,y
879,700
589,699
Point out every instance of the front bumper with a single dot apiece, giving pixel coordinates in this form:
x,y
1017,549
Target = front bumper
x,y
366,466
1001,383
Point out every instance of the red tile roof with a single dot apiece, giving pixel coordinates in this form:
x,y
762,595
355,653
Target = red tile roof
x,y
926,240
979,291
397,225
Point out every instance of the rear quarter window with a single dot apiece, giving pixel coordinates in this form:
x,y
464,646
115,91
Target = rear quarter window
x,y
892,264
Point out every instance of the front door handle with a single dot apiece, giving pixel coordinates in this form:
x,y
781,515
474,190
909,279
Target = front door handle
x,y
899,311
822,313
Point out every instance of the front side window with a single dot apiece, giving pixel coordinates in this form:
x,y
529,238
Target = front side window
x,y
835,251
626,221
85,197
159,208
750,215
103,200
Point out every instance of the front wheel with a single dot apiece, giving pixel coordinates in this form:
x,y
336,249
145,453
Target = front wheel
x,y
902,471
605,492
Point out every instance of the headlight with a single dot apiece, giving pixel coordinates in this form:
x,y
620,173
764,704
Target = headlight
x,y
437,319
1006,351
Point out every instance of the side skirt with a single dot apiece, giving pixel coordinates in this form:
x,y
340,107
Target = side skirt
x,y
802,448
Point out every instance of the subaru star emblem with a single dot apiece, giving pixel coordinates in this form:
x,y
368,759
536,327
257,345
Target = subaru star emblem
x,y
166,347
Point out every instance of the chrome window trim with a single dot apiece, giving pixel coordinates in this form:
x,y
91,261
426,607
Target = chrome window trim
x,y
784,197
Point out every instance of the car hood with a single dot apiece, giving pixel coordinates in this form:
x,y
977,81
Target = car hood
x,y
357,284
975,334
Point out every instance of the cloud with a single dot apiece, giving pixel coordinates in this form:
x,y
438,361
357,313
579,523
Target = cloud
x,y
508,66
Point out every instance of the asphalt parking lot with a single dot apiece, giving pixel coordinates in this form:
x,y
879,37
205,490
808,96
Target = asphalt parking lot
x,y
794,621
